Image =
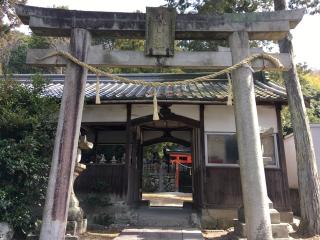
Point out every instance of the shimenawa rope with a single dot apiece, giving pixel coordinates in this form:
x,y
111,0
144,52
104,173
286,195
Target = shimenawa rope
x,y
245,62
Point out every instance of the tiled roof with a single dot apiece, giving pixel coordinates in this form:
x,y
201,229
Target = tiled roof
x,y
215,91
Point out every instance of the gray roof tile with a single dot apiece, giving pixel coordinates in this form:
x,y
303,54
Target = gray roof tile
x,y
214,91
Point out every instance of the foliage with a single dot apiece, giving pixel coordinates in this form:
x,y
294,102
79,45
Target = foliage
x,y
27,126
148,185
312,6
128,45
310,83
214,6
8,42
148,151
17,59
7,12
229,6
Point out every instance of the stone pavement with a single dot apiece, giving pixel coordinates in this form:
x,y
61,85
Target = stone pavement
x,y
167,199
159,234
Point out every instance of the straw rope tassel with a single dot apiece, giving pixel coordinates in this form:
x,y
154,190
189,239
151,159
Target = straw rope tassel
x,y
229,102
98,90
155,106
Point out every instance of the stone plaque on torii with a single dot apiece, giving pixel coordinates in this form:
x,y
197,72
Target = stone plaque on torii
x,y
237,28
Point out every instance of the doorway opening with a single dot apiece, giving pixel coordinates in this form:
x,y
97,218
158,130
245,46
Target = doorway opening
x,y
167,175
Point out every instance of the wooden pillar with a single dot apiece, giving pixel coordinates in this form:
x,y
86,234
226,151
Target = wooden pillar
x,y
254,189
282,159
66,141
128,155
202,156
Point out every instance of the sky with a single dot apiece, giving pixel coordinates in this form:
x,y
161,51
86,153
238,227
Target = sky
x,y
306,36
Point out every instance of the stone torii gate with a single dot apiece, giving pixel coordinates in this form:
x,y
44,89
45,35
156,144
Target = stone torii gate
x,y
159,27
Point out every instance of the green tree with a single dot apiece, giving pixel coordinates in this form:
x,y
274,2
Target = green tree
x,y
312,6
18,55
310,84
8,17
27,126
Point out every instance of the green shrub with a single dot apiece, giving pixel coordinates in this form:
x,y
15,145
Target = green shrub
x,y
27,127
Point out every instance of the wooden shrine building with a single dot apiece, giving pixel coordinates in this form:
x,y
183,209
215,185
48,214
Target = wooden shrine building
x,y
229,167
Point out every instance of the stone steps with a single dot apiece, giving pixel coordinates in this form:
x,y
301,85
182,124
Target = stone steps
x,y
158,234
165,217
279,230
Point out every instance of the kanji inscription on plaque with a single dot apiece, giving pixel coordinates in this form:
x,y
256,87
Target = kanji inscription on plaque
x,y
160,31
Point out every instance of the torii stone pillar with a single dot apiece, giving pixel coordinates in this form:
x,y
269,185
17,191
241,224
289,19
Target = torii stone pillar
x,y
254,189
66,141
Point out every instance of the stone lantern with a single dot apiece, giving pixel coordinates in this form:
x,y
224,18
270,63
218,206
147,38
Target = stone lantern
x,y
77,224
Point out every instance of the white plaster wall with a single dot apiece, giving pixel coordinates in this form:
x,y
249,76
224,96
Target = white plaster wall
x,y
140,110
118,112
105,113
190,111
289,148
290,151
220,118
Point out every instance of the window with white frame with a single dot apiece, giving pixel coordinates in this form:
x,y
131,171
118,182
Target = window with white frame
x,y
222,150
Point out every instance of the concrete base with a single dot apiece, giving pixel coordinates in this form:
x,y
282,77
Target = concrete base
x,y
286,217
279,230
224,218
218,218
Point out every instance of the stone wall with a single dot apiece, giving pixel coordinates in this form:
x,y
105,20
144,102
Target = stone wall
x,y
151,182
156,178
104,210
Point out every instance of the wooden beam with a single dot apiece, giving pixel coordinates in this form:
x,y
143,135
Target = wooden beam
x,y
66,141
259,25
167,139
193,60
173,117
